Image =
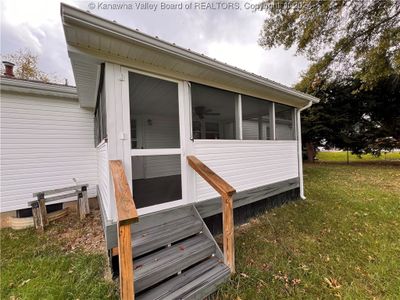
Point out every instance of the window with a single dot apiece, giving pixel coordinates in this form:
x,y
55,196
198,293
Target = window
x,y
256,118
213,113
100,118
284,122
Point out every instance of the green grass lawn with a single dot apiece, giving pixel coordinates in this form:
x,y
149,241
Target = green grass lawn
x,y
342,242
341,156
45,267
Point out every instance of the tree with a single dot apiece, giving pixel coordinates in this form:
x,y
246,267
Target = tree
x,y
341,37
331,123
365,121
26,66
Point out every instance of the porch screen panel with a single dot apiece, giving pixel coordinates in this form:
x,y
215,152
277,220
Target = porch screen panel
x,y
213,113
156,179
100,118
154,111
284,122
256,118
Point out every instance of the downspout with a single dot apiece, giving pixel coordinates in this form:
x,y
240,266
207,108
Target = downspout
x,y
300,150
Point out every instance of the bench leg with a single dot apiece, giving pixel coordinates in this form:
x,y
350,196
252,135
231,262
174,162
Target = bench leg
x,y
39,214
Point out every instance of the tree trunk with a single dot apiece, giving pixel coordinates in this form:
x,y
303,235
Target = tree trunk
x,y
310,151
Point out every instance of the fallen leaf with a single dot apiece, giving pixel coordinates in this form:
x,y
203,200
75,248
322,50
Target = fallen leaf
x,y
296,281
304,267
332,283
24,282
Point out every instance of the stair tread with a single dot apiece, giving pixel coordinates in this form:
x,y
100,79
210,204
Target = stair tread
x,y
166,262
190,282
149,239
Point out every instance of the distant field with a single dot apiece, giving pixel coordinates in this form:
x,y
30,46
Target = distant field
x,y
341,156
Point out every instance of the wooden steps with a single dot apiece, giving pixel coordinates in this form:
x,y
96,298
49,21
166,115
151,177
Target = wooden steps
x,y
169,261
149,239
197,282
175,256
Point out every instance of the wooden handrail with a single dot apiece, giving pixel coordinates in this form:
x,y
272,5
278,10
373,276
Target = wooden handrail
x,y
220,185
126,214
226,191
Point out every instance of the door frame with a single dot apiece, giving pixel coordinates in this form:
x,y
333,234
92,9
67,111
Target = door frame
x,y
184,132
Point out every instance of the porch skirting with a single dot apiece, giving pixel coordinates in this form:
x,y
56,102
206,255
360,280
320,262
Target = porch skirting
x,y
244,213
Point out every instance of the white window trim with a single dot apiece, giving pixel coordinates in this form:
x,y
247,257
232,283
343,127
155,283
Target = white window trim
x,y
238,117
273,123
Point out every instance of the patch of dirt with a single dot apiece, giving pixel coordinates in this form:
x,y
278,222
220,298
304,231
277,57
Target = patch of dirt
x,y
73,234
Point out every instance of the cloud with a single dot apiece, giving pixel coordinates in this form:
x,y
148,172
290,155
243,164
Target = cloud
x,y
227,35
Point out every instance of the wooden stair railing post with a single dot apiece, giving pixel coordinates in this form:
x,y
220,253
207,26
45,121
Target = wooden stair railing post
x,y
226,191
125,262
228,232
126,214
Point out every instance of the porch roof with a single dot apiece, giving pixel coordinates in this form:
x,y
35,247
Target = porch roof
x,y
92,40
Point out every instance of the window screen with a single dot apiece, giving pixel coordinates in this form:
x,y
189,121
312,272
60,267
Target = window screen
x,y
256,118
213,113
284,122
154,111
100,118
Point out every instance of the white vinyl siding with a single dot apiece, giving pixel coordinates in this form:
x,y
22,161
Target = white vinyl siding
x,y
103,174
246,164
45,143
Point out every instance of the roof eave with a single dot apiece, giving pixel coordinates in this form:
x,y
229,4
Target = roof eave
x,y
38,88
86,20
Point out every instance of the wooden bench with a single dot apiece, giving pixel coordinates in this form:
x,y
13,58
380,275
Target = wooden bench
x,y
39,213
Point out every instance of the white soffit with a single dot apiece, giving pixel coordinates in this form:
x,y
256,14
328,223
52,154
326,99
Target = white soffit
x,y
86,72
108,41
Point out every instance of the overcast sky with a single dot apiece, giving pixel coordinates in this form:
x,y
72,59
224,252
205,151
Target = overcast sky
x,y
227,35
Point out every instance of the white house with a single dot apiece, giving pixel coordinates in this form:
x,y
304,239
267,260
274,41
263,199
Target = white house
x,y
46,141
158,109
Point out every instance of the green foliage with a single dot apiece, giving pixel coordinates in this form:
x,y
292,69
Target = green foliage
x,y
340,37
350,117
341,243
37,267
